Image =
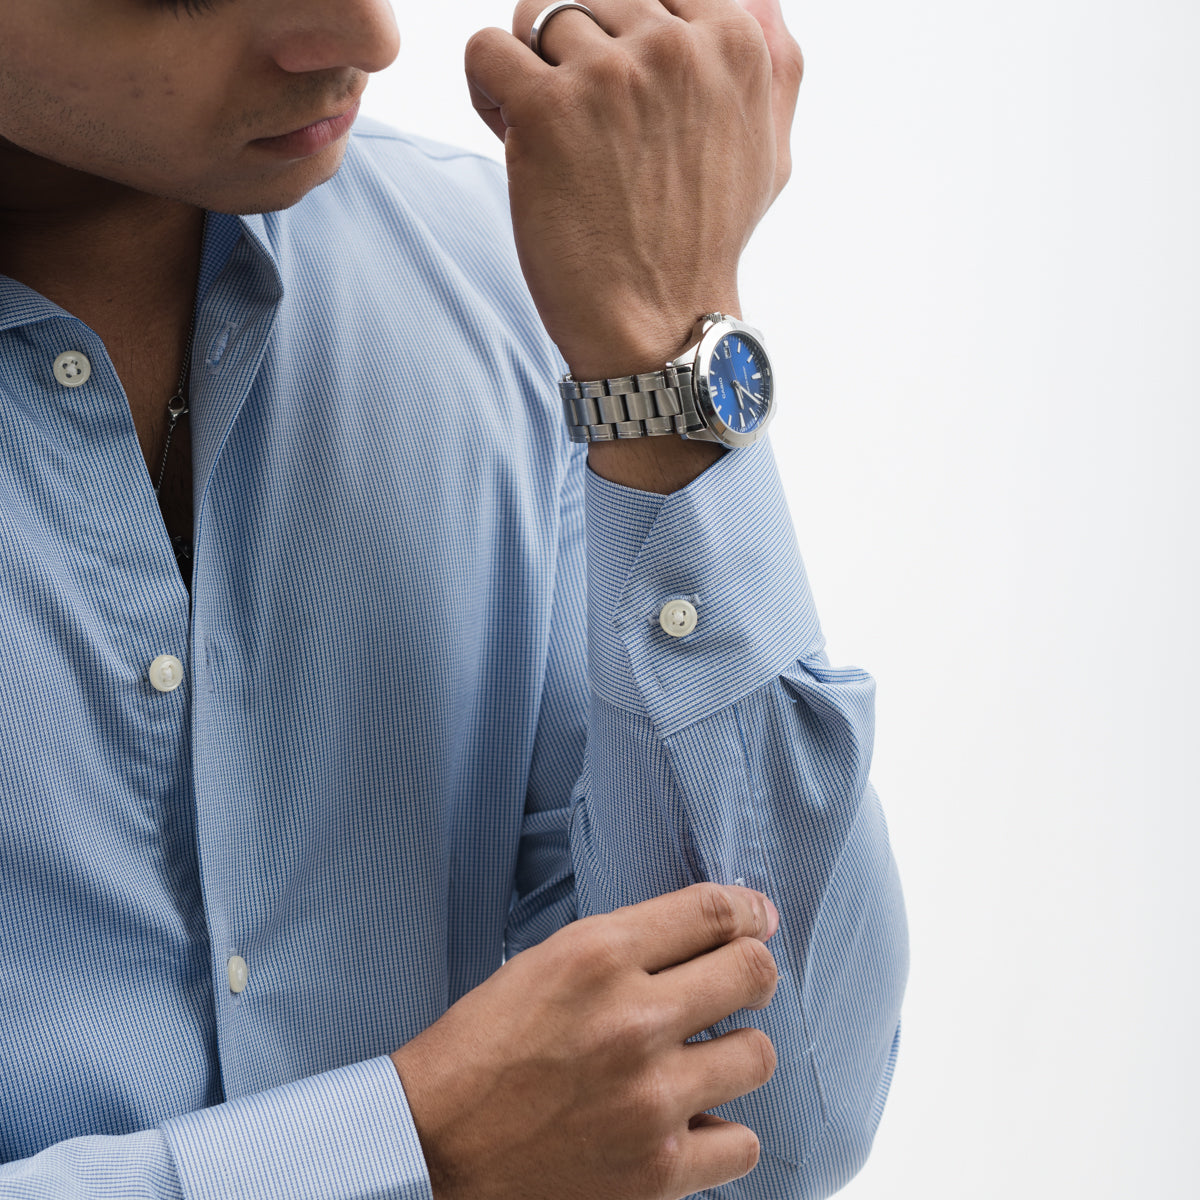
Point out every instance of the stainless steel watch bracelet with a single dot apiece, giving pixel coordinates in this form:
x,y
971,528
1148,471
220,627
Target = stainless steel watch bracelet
x,y
629,406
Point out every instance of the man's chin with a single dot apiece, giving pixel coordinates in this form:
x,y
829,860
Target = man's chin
x,y
284,191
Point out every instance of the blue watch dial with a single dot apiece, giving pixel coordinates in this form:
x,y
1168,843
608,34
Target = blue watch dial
x,y
739,382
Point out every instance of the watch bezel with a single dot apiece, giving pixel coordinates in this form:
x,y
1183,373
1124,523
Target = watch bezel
x,y
714,425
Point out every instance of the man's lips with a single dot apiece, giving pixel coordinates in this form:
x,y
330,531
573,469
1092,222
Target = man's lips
x,y
310,138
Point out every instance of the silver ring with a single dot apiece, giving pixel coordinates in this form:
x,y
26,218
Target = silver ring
x,y
546,16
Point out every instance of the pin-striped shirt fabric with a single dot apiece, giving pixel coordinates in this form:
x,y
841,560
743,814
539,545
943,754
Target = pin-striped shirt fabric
x,y
428,716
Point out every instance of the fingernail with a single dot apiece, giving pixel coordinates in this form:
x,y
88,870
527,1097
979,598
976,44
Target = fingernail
x,y
772,917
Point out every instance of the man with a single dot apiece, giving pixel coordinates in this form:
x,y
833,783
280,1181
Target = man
x,y
311,715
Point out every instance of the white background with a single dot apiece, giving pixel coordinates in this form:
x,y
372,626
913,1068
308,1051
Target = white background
x,y
981,292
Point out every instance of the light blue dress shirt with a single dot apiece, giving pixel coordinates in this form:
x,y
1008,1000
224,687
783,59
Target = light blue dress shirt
x,y
414,733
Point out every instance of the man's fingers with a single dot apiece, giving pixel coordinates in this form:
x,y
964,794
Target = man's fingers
x,y
613,17
712,987
787,60
677,927
500,71
717,1152
572,34
787,72
569,32
722,1069
490,112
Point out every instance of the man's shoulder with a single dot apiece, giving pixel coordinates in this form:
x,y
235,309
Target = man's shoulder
x,y
445,190
400,198
409,231
408,156
403,146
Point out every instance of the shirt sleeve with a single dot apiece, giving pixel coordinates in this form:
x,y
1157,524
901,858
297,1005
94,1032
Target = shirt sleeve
x,y
342,1135
736,753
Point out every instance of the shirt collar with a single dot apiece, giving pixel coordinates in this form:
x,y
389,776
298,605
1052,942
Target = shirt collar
x,y
20,305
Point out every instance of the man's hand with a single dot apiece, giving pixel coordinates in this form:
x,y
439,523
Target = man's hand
x,y
568,1073
640,159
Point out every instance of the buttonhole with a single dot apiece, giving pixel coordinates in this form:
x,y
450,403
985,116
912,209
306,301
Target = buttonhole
x,y
217,350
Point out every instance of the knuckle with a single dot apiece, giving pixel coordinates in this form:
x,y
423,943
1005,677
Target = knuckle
x,y
649,1102
789,63
719,911
758,967
475,45
795,61
665,1167
619,1039
615,71
744,36
524,16
557,961
635,1030
669,41
740,42
480,49
750,1153
592,947
585,935
762,1050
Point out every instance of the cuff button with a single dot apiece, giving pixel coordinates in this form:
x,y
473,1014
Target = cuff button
x,y
678,618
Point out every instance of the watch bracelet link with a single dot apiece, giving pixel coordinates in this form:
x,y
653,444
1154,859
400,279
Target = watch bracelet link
x,y
629,406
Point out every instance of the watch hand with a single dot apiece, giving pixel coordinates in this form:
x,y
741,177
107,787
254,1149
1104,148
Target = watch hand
x,y
745,391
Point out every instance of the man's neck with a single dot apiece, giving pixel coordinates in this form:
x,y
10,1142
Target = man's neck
x,y
91,245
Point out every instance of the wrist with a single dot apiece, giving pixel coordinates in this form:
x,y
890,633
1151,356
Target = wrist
x,y
419,1077
656,426
656,464
643,341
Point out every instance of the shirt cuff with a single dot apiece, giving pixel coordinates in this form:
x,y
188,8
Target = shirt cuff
x,y
341,1135
725,545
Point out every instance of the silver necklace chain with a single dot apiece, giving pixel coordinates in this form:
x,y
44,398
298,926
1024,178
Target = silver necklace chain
x,y
177,406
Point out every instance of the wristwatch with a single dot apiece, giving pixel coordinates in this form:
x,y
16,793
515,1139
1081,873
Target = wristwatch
x,y
719,390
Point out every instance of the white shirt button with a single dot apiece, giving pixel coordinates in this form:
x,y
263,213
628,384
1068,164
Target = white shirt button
x,y
166,673
71,368
238,974
678,617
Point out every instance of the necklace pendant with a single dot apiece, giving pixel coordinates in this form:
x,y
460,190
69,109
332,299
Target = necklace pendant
x,y
177,406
